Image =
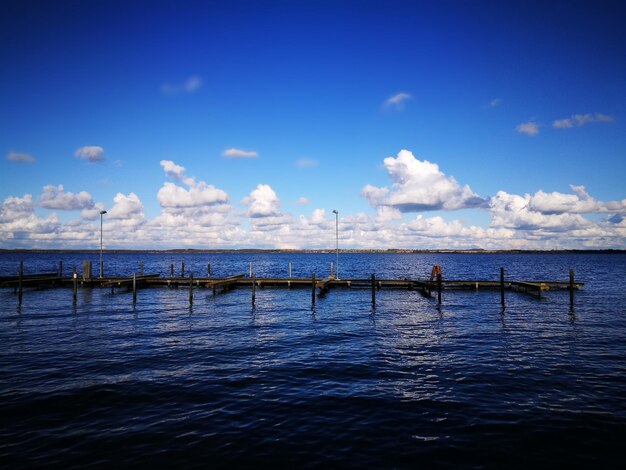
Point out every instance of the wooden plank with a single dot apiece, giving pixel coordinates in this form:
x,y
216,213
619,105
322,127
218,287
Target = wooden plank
x,y
324,284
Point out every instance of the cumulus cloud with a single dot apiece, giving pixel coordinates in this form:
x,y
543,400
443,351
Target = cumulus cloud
x,y
90,153
190,85
198,194
262,202
176,172
397,101
14,208
92,213
173,196
420,186
54,197
530,128
578,120
579,203
19,157
302,201
306,163
126,208
238,153
19,222
514,211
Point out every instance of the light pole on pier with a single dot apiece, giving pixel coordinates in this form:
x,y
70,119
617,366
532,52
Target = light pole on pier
x,y
336,212
101,266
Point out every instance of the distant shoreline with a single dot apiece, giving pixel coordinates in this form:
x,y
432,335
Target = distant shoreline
x,y
331,250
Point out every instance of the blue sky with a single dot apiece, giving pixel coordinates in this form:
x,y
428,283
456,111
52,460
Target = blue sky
x,y
509,98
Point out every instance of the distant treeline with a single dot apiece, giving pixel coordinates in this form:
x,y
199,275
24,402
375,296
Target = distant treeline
x,y
330,250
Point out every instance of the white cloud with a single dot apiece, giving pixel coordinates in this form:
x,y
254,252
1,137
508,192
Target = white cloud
x,y
201,194
54,197
420,186
530,128
126,208
262,202
18,221
494,103
176,198
578,120
387,214
90,153
92,213
318,217
302,201
306,163
513,211
20,157
192,84
579,203
397,101
176,172
14,208
238,153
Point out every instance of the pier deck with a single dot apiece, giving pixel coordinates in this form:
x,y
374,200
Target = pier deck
x,y
319,286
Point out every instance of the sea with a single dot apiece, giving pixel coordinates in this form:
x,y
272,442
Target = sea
x,y
406,383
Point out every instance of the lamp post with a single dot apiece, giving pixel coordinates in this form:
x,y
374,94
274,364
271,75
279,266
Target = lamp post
x,y
336,212
101,266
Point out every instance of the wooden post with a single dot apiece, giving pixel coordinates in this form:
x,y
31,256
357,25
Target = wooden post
x,y
208,270
60,268
74,286
253,289
571,287
313,289
502,287
19,283
250,268
373,289
331,269
134,288
190,288
182,269
171,269
141,268
439,286
289,269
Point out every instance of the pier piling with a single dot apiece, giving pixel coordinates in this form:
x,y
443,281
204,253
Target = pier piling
x,y
190,288
19,287
439,286
313,289
141,268
134,288
208,270
74,285
171,269
373,290
182,269
253,289
60,268
502,287
571,287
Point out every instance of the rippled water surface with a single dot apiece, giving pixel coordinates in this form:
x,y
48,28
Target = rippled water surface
x,y
404,384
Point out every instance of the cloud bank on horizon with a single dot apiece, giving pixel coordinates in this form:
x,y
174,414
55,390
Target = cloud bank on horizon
x,y
200,215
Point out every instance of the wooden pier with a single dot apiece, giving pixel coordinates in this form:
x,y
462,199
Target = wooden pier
x,y
436,283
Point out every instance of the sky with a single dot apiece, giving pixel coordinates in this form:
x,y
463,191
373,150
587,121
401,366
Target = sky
x,y
244,124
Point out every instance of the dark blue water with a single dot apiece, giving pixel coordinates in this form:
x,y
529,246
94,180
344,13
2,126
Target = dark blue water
x,y
407,384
